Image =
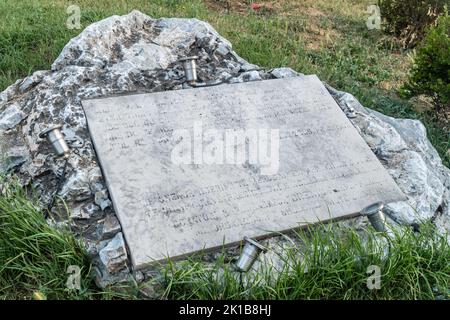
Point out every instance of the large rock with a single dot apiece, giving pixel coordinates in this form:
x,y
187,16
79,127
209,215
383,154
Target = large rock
x,y
114,255
403,148
135,53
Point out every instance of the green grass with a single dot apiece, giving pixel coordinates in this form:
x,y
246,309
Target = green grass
x,y
33,255
330,263
325,262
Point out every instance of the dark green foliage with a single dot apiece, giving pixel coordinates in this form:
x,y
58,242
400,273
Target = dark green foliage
x,y
409,19
430,73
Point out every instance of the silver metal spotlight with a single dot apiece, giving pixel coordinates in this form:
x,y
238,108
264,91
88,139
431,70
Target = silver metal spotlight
x,y
375,214
252,250
190,68
56,138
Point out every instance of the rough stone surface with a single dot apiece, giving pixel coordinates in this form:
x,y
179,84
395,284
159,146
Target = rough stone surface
x,y
135,53
403,148
111,226
114,254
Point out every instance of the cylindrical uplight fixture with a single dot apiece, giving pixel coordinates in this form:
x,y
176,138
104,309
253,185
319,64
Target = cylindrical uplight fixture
x,y
55,137
190,68
375,214
252,250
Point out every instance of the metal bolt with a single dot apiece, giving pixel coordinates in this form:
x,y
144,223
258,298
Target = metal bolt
x,y
56,139
190,68
252,250
375,214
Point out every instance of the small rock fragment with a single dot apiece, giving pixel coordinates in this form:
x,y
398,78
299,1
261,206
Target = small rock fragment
x,y
114,255
111,226
101,199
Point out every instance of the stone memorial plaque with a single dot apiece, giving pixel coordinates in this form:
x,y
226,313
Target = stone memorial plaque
x,y
199,168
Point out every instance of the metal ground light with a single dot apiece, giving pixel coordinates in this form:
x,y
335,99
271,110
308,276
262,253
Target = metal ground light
x,y
375,214
190,68
250,253
55,137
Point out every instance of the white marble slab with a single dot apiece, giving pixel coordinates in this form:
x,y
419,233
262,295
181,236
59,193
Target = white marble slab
x,y
325,168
